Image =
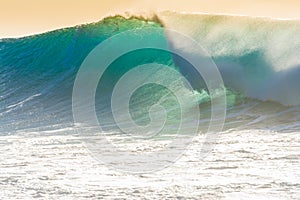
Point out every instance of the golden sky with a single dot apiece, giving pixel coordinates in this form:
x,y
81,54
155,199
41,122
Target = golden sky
x,y
25,17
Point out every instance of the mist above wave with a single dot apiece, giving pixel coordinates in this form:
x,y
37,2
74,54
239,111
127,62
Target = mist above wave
x,y
259,57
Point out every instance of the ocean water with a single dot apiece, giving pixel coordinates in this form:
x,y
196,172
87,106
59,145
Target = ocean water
x,y
256,155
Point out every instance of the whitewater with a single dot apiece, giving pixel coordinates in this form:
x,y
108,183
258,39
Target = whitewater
x,y
255,157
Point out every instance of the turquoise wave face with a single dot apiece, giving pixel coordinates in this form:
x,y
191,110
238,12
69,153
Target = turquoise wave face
x,y
38,72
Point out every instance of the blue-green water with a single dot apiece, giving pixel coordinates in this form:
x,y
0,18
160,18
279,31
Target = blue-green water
x,y
38,73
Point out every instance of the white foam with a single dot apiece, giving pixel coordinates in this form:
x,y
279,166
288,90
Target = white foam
x,y
244,164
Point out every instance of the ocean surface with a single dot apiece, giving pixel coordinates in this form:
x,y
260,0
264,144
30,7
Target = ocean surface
x,y
256,155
